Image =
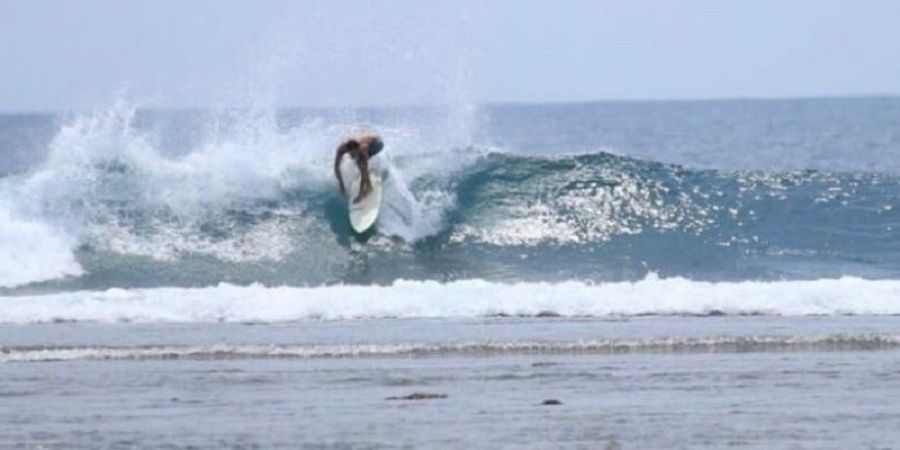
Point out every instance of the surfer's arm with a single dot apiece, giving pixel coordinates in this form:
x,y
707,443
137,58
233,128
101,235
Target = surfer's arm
x,y
338,155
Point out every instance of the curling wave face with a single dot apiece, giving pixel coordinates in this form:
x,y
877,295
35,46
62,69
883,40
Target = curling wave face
x,y
113,206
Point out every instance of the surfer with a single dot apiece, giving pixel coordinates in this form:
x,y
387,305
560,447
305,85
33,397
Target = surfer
x,y
361,148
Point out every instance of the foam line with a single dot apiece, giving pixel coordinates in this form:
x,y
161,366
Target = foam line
x,y
460,299
359,350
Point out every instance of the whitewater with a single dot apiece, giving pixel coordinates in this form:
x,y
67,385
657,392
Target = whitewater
x,y
469,299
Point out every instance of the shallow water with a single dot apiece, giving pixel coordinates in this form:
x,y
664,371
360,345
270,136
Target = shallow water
x,y
788,388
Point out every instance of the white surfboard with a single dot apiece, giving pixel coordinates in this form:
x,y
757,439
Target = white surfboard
x,y
364,213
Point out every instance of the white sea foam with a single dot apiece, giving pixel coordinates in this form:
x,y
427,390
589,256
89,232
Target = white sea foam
x,y
357,350
33,251
460,299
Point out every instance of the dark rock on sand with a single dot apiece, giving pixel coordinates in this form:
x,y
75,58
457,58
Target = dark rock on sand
x,y
544,364
419,396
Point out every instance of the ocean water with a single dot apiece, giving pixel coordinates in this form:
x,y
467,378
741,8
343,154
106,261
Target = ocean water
x,y
675,274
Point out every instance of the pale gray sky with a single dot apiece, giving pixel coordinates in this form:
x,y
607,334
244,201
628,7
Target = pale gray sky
x,y
83,54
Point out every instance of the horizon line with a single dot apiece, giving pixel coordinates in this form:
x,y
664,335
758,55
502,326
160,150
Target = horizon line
x,y
492,103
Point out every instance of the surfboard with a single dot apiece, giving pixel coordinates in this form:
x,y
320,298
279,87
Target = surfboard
x,y
364,213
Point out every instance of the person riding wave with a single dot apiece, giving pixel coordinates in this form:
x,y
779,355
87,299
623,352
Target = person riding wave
x,y
361,148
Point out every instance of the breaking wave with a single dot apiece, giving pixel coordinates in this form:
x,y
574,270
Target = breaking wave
x,y
459,299
252,200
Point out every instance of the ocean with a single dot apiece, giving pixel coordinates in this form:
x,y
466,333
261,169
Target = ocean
x,y
660,274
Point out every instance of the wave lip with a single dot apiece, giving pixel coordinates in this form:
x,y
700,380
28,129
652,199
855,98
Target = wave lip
x,y
459,299
605,346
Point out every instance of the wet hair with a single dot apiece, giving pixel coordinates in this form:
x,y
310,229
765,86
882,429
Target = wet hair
x,y
351,145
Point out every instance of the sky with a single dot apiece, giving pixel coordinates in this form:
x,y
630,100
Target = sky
x,y
59,55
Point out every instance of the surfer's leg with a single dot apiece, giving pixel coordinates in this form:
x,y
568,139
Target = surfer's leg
x,y
365,183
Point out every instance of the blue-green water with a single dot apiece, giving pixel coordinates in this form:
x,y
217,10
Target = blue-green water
x,y
718,191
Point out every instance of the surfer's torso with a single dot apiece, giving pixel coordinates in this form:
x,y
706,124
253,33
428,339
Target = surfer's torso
x,y
360,147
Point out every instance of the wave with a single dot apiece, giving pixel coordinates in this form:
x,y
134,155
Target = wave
x,y
742,344
460,299
114,206
33,251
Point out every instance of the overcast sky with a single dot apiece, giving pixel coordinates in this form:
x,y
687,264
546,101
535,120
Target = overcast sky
x,y
83,54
